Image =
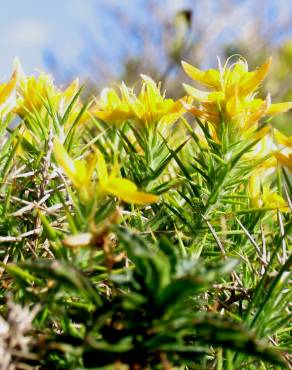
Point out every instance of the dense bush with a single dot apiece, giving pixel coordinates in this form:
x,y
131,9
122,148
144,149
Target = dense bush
x,y
138,232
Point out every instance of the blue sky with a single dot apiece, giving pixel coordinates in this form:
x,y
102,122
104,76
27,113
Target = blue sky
x,y
34,29
30,28
73,34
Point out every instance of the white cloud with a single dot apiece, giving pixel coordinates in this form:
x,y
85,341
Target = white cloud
x,y
29,32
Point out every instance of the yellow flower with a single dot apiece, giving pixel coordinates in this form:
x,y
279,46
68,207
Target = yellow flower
x,y
78,171
285,160
120,187
110,107
284,155
81,173
149,107
254,190
283,139
268,154
263,151
7,91
274,200
33,92
25,136
232,95
266,197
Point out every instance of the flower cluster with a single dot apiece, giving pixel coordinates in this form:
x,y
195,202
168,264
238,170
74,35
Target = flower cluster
x,y
148,108
81,174
232,98
229,105
34,93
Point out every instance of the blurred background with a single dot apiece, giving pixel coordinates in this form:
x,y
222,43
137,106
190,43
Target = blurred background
x,y
106,41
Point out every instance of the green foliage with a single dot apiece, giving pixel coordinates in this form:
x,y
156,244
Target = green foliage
x,y
198,279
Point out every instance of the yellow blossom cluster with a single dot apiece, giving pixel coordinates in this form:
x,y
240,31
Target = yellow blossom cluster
x,y
80,172
230,101
232,98
148,107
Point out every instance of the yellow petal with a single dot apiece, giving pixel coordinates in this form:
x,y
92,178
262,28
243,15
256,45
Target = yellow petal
x,y
116,184
203,96
127,94
261,133
279,108
109,98
209,116
233,106
82,174
102,170
260,112
284,160
177,106
209,78
251,83
283,139
254,189
272,199
196,93
91,164
138,197
7,88
71,90
152,89
66,162
127,191
134,105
